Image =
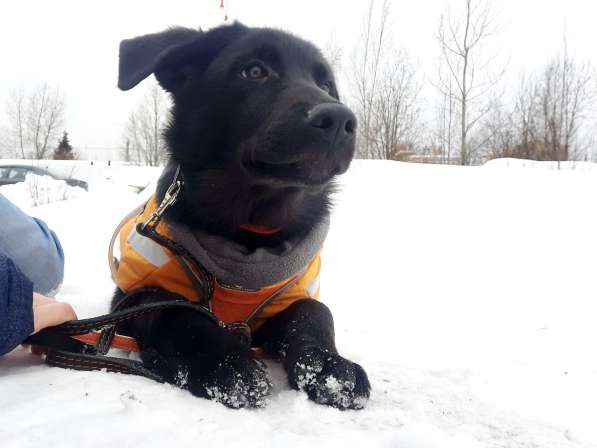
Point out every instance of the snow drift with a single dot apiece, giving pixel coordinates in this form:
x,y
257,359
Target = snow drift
x,y
40,190
544,165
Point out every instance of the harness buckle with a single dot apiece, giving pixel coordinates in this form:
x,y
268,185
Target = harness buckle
x,y
241,330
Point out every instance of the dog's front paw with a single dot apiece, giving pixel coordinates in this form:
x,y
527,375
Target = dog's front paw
x,y
236,380
330,379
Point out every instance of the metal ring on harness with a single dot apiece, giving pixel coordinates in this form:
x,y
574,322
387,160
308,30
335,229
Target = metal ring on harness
x,y
169,199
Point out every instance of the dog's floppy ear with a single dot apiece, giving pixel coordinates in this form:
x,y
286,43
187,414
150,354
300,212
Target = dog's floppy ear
x,y
141,56
172,55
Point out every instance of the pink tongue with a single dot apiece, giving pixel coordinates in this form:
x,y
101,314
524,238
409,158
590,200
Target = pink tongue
x,y
261,230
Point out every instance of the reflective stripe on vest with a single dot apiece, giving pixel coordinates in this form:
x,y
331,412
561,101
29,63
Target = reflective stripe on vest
x,y
147,248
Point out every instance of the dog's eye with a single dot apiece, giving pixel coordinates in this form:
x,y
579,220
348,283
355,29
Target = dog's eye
x,y
327,87
254,71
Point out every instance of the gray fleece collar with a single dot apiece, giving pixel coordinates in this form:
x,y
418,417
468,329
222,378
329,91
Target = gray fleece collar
x,y
233,264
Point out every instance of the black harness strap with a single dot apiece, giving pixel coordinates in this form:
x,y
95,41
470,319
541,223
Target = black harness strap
x,y
201,279
64,351
82,326
81,361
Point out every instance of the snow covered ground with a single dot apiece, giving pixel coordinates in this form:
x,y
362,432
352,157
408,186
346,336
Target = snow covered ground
x,y
96,173
468,294
544,165
40,190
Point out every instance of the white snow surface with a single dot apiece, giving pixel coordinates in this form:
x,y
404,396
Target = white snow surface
x,y
96,173
541,164
39,190
467,293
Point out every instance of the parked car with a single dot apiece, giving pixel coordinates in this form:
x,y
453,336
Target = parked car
x,y
12,174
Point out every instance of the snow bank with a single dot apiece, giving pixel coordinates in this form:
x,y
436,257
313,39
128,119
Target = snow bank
x,y
544,165
39,190
467,293
96,173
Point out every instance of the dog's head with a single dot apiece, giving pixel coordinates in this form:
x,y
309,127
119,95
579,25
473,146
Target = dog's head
x,y
256,126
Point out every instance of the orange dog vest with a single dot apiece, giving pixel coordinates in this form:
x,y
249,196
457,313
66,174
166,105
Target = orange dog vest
x,y
146,263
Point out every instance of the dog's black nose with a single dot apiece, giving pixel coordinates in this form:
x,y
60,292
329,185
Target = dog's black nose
x,y
336,121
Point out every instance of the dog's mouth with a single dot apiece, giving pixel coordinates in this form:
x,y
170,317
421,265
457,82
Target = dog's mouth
x,y
300,173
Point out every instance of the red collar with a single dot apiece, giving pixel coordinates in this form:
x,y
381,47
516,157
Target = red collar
x,y
261,230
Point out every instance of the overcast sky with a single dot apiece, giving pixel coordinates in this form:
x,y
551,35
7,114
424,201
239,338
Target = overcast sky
x,y
75,43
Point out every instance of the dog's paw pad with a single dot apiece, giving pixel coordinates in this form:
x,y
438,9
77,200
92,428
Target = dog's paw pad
x,y
329,379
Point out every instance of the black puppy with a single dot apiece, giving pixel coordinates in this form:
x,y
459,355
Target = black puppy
x,y
259,133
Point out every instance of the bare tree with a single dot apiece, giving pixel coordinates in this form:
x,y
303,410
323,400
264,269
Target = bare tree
x,y
366,68
16,112
466,75
385,91
35,120
144,130
395,117
565,92
525,117
498,132
333,54
442,135
6,149
45,117
549,112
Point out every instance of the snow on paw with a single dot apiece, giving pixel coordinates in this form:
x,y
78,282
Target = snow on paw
x,y
238,381
330,379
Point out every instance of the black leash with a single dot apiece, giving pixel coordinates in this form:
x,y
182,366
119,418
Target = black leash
x,y
64,350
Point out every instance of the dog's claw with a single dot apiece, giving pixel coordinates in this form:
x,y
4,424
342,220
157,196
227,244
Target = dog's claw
x,y
330,379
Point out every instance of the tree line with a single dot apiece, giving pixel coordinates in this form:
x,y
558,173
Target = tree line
x,y
35,119
548,115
